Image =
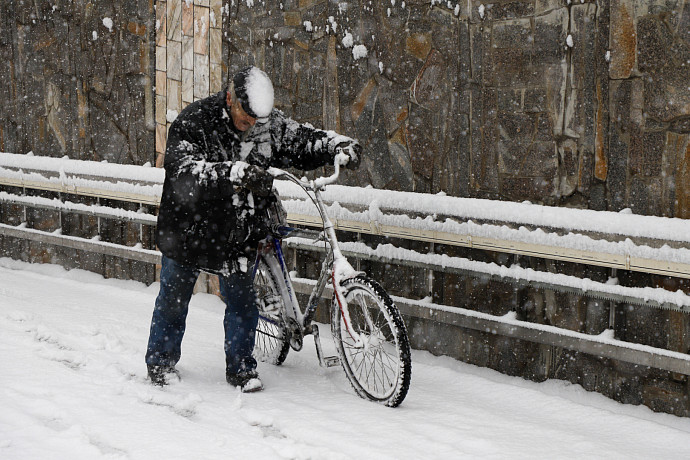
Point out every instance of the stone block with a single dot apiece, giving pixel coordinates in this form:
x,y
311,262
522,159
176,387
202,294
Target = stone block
x,y
623,39
481,62
646,152
161,22
535,100
174,95
645,196
174,60
174,19
400,156
666,396
188,53
667,95
292,19
580,117
515,33
216,13
534,189
201,76
501,10
616,180
216,46
534,160
418,45
161,58
187,86
428,89
187,19
682,178
423,150
510,100
554,78
550,34
546,6
511,67
484,135
201,30
215,78
569,160
161,108
516,127
136,28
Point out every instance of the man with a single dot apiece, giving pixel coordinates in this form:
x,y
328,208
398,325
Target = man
x,y
213,211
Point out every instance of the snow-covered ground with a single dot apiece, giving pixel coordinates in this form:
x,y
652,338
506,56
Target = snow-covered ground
x,y
73,386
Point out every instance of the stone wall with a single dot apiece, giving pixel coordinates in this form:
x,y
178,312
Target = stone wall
x,y
566,103
75,79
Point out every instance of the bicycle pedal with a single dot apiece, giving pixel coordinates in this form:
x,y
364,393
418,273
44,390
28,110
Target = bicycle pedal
x,y
331,361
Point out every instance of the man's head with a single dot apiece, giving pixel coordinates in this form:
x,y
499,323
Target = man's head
x,y
250,97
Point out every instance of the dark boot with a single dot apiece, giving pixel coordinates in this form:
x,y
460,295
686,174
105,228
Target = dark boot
x,y
247,381
161,375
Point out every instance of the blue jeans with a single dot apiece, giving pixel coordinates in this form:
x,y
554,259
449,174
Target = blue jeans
x,y
170,315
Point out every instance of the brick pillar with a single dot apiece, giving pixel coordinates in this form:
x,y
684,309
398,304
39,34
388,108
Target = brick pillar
x,y
188,68
188,59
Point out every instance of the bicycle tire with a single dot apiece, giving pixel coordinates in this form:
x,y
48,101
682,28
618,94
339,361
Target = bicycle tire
x,y
272,340
380,371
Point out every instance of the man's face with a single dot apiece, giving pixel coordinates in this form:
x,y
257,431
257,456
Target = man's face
x,y
240,119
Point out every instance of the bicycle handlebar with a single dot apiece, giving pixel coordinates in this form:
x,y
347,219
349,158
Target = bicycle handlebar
x,y
319,182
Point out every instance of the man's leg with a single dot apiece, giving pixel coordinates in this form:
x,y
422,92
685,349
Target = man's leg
x,y
170,314
241,318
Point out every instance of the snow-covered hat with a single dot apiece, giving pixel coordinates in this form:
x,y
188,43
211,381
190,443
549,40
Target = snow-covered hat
x,y
254,90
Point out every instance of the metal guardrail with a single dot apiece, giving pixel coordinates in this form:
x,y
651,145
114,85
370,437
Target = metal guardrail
x,y
598,345
632,353
151,196
580,256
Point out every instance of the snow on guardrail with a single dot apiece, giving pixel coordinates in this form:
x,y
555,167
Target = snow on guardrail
x,y
608,233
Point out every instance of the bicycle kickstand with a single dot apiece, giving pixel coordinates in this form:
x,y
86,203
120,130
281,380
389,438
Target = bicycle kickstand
x,y
328,361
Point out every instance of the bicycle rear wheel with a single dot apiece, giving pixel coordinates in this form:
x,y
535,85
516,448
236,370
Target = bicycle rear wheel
x,y
381,369
272,337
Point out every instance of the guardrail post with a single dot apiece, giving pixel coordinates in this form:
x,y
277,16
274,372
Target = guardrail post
x,y
612,304
98,220
430,276
142,209
25,219
60,212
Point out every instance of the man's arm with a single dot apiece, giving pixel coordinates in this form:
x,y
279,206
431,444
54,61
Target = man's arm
x,y
302,146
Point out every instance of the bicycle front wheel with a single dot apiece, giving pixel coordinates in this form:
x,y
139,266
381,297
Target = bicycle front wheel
x,y
380,368
272,337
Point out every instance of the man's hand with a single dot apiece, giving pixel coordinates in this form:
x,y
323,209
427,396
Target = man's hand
x,y
257,180
353,151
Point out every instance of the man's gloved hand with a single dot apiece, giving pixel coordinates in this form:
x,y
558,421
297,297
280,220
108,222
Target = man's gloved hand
x,y
354,152
257,180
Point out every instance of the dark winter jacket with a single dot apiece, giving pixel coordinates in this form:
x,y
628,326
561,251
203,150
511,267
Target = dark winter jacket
x,y
207,219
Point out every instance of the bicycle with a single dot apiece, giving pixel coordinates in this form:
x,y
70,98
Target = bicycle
x,y
368,330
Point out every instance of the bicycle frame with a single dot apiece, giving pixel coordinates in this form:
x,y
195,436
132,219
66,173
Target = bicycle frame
x,y
335,266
